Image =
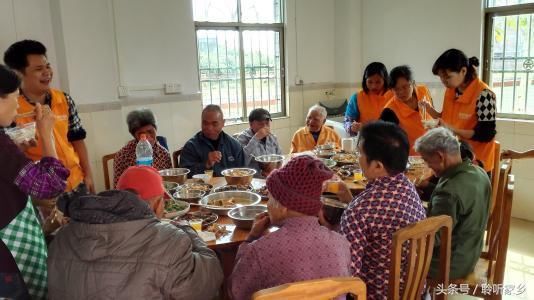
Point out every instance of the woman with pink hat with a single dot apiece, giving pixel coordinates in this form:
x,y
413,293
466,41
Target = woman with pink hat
x,y
301,249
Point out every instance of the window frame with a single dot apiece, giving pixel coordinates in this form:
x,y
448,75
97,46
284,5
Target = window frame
x,y
501,11
240,27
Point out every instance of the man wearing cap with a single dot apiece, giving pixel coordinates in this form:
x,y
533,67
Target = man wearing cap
x,y
116,248
301,249
212,148
258,139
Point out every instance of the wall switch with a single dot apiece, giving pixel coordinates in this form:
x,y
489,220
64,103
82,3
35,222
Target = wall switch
x,y
123,91
173,88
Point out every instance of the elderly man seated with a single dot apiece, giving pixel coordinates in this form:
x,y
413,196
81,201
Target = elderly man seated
x,y
315,133
140,121
212,148
301,249
258,139
388,203
116,248
463,192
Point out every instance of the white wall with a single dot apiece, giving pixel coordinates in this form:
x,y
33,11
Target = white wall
x,y
348,41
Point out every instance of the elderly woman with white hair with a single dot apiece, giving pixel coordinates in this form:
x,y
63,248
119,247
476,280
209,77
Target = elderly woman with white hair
x,y
140,121
315,133
463,193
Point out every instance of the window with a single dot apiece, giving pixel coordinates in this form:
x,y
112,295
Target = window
x,y
509,56
240,55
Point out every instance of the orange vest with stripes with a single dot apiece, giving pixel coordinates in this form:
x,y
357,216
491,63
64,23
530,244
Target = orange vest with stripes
x,y
410,120
65,152
461,113
371,105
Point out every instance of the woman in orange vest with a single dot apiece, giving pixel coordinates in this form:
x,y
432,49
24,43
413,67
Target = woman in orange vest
x,y
403,108
367,104
469,104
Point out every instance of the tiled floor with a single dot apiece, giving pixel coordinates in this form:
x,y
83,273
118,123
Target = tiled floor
x,y
520,261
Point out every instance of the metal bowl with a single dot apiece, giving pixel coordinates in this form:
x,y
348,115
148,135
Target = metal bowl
x,y
270,161
243,217
201,186
329,146
325,153
329,163
173,214
234,177
189,195
345,159
178,175
248,197
170,186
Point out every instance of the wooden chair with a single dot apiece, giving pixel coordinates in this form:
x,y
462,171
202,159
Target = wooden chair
x,y
176,157
105,164
491,265
495,175
421,237
326,288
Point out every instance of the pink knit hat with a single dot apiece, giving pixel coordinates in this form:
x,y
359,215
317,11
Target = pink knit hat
x,y
298,185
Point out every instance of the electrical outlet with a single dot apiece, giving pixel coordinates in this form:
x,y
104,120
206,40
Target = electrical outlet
x,y
123,91
173,88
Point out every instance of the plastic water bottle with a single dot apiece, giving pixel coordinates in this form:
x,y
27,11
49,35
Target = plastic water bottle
x,y
143,152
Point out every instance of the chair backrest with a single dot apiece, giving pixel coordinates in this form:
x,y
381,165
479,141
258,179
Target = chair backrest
x,y
176,157
495,174
326,288
499,231
105,164
420,238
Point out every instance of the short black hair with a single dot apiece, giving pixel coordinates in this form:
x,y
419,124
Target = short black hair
x,y
16,56
375,68
213,108
454,60
9,81
259,114
387,143
400,72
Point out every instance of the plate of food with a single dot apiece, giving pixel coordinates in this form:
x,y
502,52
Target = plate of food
x,y
262,191
175,208
199,186
238,187
207,218
345,159
220,203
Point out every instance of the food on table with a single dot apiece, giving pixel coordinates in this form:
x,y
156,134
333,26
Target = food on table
x,y
345,158
219,230
263,191
228,202
238,187
238,173
196,186
207,218
174,206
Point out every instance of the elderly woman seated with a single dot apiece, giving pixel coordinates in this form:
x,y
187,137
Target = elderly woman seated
x,y
301,249
315,133
140,121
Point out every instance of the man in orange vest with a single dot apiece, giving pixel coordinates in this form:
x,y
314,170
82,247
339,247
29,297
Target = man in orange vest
x,y
29,59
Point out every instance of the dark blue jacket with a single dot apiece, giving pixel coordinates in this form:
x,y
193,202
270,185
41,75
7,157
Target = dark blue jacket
x,y
195,154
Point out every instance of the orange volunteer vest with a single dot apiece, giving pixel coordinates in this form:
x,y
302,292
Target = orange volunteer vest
x,y
410,120
370,105
461,113
65,152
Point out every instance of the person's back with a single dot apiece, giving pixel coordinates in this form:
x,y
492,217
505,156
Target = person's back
x,y
463,193
300,250
115,248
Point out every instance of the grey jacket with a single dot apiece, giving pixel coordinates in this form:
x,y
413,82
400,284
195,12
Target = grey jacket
x,y
136,259
253,147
